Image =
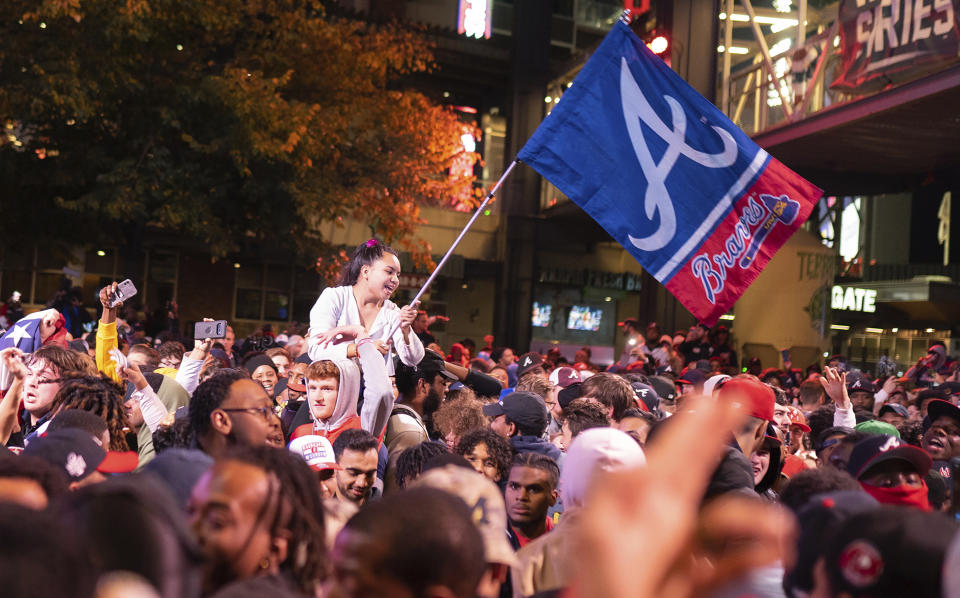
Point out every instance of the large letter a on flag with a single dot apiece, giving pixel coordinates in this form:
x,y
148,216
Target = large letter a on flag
x,y
657,198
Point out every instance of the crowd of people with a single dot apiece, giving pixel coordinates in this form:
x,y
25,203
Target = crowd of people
x,y
358,458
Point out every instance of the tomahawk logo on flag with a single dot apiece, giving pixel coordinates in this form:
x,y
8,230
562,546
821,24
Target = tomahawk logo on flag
x,y
673,180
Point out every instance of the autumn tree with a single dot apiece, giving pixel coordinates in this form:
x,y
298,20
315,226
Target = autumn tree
x,y
243,123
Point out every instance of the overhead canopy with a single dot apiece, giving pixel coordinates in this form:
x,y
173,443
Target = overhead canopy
x,y
918,303
884,143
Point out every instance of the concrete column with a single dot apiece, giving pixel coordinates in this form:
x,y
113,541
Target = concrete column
x,y
530,62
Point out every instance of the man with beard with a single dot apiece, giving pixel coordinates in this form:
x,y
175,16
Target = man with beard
x,y
230,409
695,347
862,393
257,517
421,391
356,473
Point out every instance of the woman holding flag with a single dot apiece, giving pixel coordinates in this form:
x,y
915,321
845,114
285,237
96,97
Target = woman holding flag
x,y
361,303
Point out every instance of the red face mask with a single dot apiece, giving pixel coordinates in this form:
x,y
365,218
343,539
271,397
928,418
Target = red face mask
x,y
903,495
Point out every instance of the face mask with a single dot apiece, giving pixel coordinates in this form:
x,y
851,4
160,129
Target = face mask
x,y
903,495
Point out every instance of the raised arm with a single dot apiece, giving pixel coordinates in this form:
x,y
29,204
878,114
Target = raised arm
x,y
152,409
188,375
482,384
835,383
107,333
14,372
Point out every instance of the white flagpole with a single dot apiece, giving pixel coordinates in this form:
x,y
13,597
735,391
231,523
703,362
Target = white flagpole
x,y
456,242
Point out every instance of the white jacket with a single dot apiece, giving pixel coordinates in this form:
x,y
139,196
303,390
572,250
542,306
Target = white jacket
x,y
338,307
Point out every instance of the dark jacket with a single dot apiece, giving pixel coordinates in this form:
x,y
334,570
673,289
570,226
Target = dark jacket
x,y
535,444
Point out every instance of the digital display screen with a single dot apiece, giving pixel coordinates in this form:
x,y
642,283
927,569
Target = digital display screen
x,y
583,317
541,314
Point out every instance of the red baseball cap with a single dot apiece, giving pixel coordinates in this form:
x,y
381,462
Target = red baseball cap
x,y
296,387
757,397
119,462
797,418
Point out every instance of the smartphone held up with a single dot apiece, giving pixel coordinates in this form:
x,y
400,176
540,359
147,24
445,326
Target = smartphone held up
x,y
125,290
214,329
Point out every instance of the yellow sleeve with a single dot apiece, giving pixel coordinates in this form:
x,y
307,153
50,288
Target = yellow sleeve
x,y
107,340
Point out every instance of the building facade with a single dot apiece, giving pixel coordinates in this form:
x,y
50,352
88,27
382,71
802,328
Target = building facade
x,y
872,274
864,105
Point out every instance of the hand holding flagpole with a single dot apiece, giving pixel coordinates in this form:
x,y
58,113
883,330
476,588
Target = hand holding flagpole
x,y
446,256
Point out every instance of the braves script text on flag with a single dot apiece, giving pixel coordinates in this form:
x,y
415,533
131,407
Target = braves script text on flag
x,y
682,188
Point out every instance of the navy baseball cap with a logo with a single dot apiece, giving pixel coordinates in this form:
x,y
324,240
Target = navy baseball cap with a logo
x,y
523,408
529,362
876,449
818,518
861,384
647,396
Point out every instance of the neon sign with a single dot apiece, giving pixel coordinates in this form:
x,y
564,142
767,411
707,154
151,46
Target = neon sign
x,y
854,299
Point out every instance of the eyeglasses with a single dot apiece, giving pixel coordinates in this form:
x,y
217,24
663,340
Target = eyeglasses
x,y
265,412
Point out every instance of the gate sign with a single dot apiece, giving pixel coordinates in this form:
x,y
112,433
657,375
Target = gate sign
x,y
853,299
891,41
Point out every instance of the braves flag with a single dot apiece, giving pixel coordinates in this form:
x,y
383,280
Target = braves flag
x,y
673,180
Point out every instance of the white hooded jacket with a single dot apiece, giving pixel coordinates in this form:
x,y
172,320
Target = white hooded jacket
x,y
377,394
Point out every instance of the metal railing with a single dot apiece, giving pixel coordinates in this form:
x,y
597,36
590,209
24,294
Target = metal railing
x,y
786,86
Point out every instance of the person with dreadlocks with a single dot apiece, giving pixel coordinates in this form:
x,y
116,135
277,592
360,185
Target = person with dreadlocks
x,y
36,379
101,396
258,518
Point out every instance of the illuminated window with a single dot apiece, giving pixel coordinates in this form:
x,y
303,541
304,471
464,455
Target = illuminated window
x,y
850,229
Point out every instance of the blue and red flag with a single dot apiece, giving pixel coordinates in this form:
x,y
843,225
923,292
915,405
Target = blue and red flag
x,y
25,334
700,205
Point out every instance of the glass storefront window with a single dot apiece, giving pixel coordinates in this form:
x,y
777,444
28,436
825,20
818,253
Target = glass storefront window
x,y
601,14
904,347
248,304
277,306
275,292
